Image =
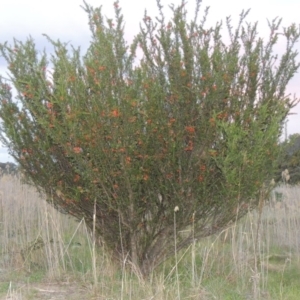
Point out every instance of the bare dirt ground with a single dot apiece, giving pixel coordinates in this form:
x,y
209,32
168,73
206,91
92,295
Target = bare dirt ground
x,y
49,291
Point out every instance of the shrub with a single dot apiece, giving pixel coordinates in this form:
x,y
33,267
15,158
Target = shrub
x,y
176,129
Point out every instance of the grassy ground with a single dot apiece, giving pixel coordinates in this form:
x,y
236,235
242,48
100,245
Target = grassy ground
x,y
47,255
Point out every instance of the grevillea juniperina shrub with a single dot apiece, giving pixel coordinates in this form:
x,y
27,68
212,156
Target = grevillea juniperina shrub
x,y
187,130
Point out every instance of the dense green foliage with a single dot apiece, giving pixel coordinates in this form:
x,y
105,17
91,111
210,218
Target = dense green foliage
x,y
178,127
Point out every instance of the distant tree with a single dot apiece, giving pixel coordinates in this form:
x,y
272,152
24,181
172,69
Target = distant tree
x,y
8,169
289,159
177,132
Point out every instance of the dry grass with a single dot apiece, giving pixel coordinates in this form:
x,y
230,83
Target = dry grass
x,y
47,255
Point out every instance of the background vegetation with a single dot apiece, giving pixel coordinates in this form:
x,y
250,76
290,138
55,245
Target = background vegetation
x,y
290,158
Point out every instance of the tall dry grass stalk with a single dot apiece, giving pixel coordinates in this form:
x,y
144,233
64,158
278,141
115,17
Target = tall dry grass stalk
x,y
94,258
176,209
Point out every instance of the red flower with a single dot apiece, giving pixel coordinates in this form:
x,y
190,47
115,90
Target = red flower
x,y
128,160
115,113
202,167
200,178
49,105
76,178
77,150
189,147
190,129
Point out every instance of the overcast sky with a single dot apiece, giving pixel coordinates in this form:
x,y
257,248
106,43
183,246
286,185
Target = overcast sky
x,y
66,20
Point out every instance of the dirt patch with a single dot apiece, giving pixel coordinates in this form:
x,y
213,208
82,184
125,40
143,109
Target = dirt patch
x,y
49,291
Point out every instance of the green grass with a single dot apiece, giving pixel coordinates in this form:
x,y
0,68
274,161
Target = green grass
x,y
285,284
4,286
223,266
